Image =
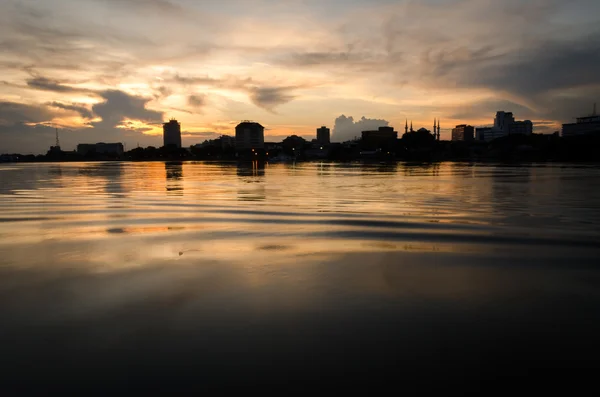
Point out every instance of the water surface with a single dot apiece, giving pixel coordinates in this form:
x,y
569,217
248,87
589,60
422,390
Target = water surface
x,y
167,277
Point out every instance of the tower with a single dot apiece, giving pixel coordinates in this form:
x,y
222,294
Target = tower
x,y
406,127
438,129
323,136
57,143
411,127
172,134
434,127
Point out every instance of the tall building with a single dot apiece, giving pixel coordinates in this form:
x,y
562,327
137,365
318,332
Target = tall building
x,y
586,125
463,132
503,121
521,127
249,135
323,136
172,134
504,124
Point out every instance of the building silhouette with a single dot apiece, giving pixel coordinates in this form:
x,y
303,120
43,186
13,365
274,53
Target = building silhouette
x,y
383,137
114,149
249,135
504,125
323,136
586,125
463,132
521,127
172,134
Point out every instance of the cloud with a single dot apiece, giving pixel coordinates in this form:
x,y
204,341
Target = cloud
x,y
197,100
270,97
345,128
82,110
161,6
263,96
14,113
43,83
119,106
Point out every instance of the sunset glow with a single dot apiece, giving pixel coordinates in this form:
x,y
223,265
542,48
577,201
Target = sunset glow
x,y
115,70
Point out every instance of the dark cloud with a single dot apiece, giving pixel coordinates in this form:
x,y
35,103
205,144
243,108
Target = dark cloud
x,y
345,128
82,110
194,80
197,100
163,92
161,6
13,113
37,139
266,97
325,58
270,97
527,72
46,84
488,108
228,82
119,106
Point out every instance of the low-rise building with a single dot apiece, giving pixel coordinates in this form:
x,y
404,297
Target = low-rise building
x,y
383,137
584,126
463,132
115,149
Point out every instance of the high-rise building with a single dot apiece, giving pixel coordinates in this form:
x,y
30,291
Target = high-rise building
x,y
463,132
503,121
172,134
521,127
249,135
323,136
504,124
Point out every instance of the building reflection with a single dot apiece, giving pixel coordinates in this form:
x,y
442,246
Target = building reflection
x,y
413,169
252,181
383,167
511,191
109,174
324,169
174,178
251,169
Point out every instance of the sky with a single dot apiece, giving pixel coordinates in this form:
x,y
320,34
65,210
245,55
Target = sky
x,y
114,70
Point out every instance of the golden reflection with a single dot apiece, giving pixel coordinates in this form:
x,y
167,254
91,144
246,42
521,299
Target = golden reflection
x,y
174,178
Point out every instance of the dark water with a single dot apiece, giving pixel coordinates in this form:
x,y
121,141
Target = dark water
x,y
166,278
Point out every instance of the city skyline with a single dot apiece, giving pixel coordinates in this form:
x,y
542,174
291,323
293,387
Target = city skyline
x,y
108,71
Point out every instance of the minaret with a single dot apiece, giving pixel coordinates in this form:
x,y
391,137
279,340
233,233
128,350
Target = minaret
x,y
406,127
411,127
438,130
434,128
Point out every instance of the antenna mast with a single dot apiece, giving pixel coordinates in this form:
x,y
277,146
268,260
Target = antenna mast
x,y
57,143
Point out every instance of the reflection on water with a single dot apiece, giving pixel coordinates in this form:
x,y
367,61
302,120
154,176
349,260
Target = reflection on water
x,y
174,175
200,274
